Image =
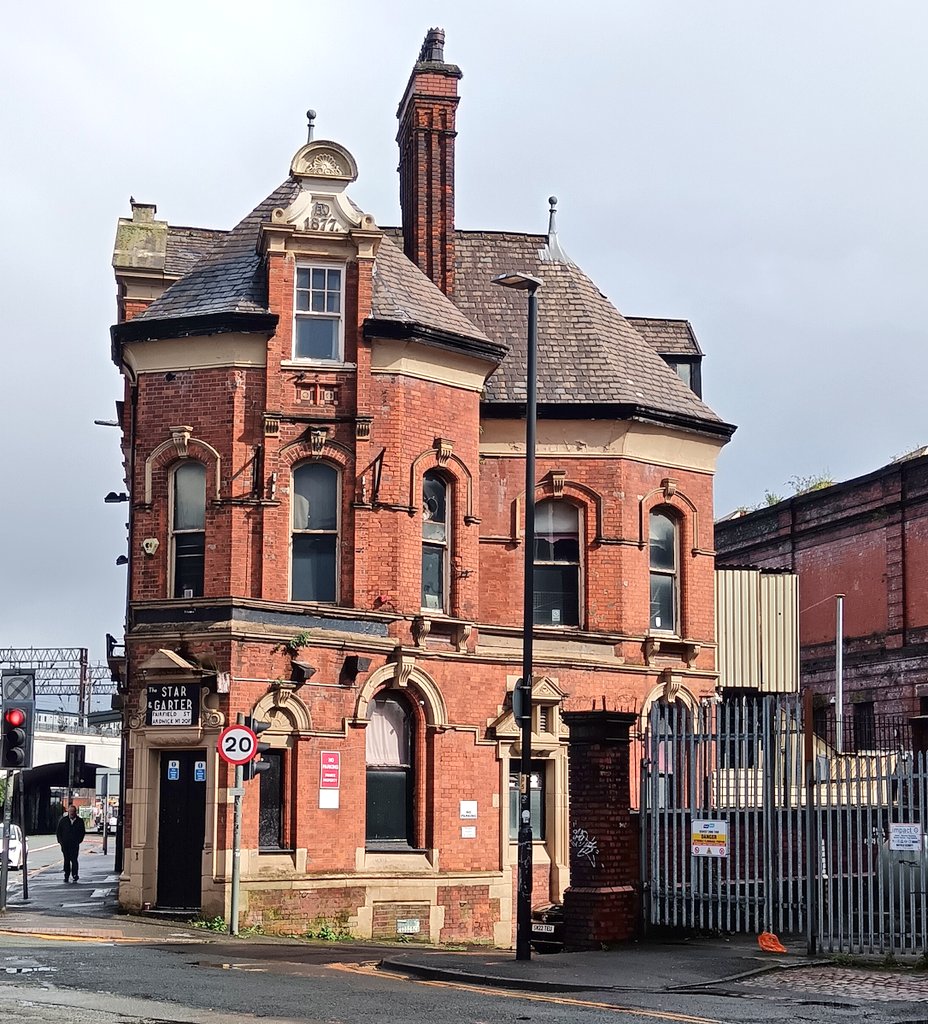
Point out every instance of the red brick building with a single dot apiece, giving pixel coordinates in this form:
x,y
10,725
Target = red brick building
x,y
323,429
867,539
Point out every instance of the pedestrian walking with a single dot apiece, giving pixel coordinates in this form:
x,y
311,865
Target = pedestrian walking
x,y
70,835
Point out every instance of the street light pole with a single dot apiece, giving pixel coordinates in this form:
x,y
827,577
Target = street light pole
x,y
523,701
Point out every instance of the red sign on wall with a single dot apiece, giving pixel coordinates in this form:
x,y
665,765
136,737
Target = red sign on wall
x,y
330,770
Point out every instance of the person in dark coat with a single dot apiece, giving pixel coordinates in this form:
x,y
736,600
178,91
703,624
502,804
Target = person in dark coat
x,y
70,835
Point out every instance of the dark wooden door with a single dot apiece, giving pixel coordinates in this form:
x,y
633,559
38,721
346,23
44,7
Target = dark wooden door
x,y
181,828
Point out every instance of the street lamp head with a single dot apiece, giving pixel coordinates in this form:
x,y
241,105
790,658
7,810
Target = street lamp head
x,y
519,282
113,498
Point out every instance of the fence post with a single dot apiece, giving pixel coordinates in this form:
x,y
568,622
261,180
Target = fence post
x,y
808,767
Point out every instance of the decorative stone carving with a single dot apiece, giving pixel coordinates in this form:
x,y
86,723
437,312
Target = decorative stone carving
x,y
421,627
137,715
271,426
558,479
405,663
669,487
326,164
181,439
444,449
460,636
210,715
362,428
672,683
317,438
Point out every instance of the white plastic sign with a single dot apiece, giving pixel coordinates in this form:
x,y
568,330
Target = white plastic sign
x,y
237,744
709,838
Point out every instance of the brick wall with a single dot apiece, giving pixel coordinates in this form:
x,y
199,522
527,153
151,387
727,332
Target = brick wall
x,y
866,538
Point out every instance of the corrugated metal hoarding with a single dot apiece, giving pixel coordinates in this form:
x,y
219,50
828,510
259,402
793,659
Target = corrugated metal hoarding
x,y
757,629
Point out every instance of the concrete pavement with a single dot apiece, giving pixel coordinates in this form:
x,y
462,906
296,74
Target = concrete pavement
x,y
639,967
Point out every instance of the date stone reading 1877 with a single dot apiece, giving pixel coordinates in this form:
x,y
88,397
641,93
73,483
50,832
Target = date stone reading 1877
x,y
172,704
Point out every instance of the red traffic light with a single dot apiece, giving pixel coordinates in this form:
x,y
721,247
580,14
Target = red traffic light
x,y
15,716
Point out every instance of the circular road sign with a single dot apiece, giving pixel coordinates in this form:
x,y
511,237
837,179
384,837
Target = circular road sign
x,y
237,744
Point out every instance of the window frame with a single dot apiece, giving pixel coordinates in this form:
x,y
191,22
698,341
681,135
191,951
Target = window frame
x,y
309,314
444,545
337,532
173,532
279,754
673,574
579,563
410,770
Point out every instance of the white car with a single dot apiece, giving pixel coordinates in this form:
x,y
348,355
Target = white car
x,y
17,846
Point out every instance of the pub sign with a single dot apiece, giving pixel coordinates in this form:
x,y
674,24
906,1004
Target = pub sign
x,y
173,704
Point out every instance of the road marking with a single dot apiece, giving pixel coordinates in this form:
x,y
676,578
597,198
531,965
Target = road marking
x,y
111,878
679,1018
99,894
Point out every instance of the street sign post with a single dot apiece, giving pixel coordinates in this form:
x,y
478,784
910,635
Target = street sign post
x,y
237,744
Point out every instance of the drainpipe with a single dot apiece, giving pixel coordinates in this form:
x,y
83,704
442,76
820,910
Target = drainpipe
x,y
839,673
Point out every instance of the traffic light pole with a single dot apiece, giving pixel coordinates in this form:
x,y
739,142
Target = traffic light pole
x,y
5,855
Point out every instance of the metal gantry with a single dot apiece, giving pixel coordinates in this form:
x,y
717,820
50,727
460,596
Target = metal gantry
x,y
62,672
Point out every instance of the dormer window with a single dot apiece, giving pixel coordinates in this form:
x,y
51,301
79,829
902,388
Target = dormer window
x,y
317,321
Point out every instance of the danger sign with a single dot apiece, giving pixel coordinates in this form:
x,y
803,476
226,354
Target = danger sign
x,y
709,838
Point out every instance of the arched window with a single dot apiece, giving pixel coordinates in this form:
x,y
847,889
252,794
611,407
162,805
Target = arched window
x,y
314,568
188,528
664,561
557,564
389,739
435,537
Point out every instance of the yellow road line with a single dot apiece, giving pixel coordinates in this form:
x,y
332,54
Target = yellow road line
x,y
55,936
534,997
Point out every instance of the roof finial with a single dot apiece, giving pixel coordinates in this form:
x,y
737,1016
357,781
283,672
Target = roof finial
x,y
310,124
433,49
552,251
552,216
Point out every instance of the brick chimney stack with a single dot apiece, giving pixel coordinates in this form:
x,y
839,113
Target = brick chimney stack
x,y
426,136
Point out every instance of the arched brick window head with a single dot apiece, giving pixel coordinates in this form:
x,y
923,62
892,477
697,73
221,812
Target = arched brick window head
x,y
664,548
188,529
435,543
557,564
314,555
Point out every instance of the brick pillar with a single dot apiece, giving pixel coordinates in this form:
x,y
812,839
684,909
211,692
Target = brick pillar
x,y
603,900
426,136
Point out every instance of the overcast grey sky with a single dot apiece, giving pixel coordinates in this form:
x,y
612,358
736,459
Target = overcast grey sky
x,y
756,167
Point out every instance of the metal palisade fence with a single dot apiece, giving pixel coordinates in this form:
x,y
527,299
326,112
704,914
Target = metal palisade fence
x,y
751,822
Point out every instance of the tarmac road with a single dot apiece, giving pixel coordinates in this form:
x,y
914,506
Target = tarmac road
x,y
65,958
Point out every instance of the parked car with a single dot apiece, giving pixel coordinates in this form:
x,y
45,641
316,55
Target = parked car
x,y
17,846
548,928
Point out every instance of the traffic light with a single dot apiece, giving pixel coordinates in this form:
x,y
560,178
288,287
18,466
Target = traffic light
x,y
18,727
256,764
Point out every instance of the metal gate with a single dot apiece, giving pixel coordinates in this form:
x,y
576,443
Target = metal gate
x,y
750,822
872,875
737,766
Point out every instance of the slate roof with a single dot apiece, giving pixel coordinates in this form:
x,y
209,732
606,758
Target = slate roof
x,y
667,337
588,353
231,277
187,246
401,292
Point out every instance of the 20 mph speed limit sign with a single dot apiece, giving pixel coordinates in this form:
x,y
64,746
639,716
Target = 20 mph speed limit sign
x,y
237,744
